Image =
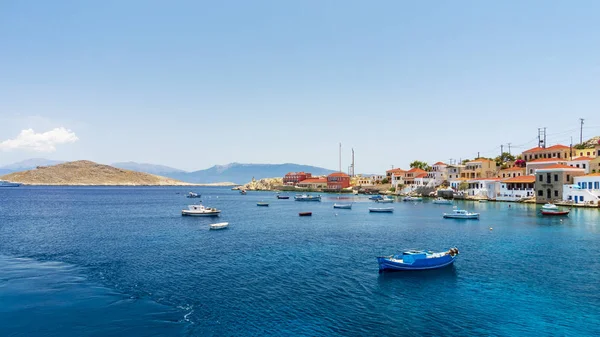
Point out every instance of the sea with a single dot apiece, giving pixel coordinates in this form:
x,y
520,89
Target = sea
x,y
122,261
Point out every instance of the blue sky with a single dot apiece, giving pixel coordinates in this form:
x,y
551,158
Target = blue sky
x,y
191,84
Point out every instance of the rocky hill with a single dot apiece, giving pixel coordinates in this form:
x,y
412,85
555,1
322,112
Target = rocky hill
x,y
266,184
84,172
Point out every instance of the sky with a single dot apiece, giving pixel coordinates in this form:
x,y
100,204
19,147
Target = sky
x,y
191,84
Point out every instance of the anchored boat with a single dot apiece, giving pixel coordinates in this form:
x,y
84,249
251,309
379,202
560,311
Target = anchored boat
x,y
555,213
307,197
200,210
283,197
461,214
417,260
442,201
4,183
262,204
381,210
220,225
305,214
193,195
342,206
412,199
386,200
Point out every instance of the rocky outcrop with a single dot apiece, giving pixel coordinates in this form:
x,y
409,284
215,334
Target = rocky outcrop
x,y
88,173
266,184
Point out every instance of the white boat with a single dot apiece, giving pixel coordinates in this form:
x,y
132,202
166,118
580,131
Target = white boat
x,y
342,206
461,214
220,225
550,206
243,192
4,183
200,210
381,209
307,197
442,201
412,199
386,200
193,195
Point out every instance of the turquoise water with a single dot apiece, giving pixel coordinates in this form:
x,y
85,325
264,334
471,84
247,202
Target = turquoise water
x,y
122,261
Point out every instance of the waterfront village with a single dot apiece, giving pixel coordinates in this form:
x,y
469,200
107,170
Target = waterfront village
x,y
559,174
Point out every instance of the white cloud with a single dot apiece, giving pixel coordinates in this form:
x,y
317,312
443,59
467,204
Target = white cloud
x,y
39,142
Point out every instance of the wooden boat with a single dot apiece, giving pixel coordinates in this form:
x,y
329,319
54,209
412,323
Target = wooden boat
x,y
283,197
442,201
461,214
307,197
305,214
262,204
342,206
193,195
555,213
200,210
417,260
381,210
220,225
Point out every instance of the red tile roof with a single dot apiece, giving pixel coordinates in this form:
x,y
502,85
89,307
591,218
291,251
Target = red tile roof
x,y
521,179
551,148
584,158
338,174
480,160
422,175
416,170
592,175
543,160
439,163
313,181
396,170
559,167
514,168
494,179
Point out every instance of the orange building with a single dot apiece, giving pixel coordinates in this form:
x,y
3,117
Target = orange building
x,y
337,181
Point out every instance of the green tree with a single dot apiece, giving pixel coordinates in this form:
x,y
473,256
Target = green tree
x,y
503,158
463,186
385,181
465,161
420,164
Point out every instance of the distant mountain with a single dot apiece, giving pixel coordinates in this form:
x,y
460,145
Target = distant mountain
x,y
84,172
147,168
243,173
28,164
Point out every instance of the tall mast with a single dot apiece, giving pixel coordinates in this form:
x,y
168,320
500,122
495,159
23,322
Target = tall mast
x,y
340,157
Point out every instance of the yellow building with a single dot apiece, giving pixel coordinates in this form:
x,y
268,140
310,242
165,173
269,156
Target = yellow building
x,y
554,151
511,172
479,168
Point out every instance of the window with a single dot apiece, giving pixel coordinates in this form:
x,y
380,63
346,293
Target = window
x,y
555,193
541,177
588,153
583,165
583,185
596,185
559,155
581,198
540,193
577,165
570,198
568,177
556,177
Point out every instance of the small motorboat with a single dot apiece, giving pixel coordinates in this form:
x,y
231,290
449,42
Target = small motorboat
x,y
417,260
307,197
243,192
355,192
375,197
461,214
409,198
386,200
200,210
342,206
555,213
220,225
550,206
442,201
283,197
262,204
483,200
193,195
4,183
305,214
381,210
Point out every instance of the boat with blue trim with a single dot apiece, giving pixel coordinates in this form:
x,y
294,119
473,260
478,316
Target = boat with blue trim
x,y
193,195
307,197
4,183
375,197
381,209
417,260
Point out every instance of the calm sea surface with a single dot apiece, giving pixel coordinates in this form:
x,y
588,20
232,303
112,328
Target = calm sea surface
x,y
123,261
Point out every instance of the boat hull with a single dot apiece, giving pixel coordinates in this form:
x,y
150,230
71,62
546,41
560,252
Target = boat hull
x,y
309,199
381,210
466,217
262,205
305,214
193,213
342,206
385,264
10,185
222,225
555,213
279,197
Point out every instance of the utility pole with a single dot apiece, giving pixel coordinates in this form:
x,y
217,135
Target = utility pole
x,y
581,131
478,155
501,150
340,157
571,149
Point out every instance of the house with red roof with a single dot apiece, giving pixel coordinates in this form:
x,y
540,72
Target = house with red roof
x,y
517,188
539,163
338,181
550,181
293,178
581,162
485,188
479,168
438,173
554,151
313,183
585,190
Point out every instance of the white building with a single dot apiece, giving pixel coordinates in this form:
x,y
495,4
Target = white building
x,y
585,190
541,163
581,162
454,171
488,188
438,173
517,188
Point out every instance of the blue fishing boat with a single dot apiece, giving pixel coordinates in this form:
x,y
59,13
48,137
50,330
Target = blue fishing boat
x,y
417,260
307,197
375,197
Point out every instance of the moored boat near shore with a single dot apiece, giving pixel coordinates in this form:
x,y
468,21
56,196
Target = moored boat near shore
x,y
342,206
442,201
555,213
220,225
461,214
381,209
417,260
4,183
307,197
200,210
